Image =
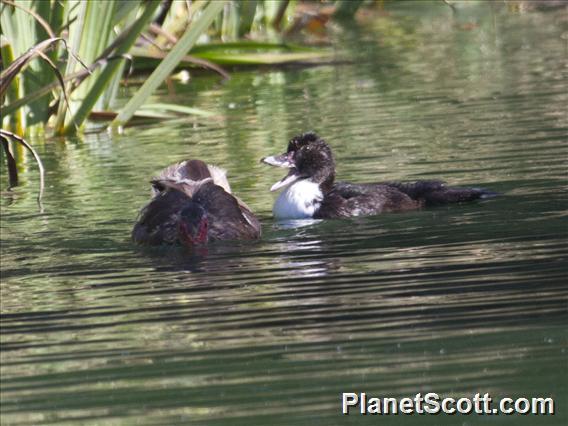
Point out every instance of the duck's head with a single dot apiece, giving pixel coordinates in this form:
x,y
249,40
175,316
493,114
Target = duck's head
x,y
308,157
193,225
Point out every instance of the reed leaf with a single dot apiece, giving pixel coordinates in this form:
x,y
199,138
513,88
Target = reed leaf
x,y
18,26
9,120
103,80
250,46
237,53
35,15
346,9
11,161
176,108
75,11
22,62
96,30
144,59
183,46
264,58
45,90
9,135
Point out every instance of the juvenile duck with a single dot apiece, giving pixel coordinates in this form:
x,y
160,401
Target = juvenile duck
x,y
191,205
310,190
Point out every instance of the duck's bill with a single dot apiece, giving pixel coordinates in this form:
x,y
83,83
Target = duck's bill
x,y
282,160
291,177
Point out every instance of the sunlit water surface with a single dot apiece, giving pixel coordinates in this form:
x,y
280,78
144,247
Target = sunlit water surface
x,y
457,300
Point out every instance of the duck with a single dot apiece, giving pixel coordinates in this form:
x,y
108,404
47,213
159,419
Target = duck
x,y
309,189
192,204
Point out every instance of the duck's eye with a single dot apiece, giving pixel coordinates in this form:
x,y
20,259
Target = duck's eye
x,y
293,145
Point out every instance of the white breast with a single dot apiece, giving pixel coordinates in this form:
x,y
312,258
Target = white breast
x,y
298,201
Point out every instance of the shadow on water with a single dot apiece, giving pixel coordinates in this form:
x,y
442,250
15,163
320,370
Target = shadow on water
x,y
455,300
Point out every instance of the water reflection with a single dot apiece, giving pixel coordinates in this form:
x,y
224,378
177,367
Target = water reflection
x,y
455,300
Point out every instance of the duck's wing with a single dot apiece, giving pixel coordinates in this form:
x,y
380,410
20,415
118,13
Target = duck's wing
x,y
219,177
401,196
228,219
436,192
157,221
249,216
349,190
347,200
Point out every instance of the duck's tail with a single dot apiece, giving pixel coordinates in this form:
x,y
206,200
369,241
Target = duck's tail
x,y
433,192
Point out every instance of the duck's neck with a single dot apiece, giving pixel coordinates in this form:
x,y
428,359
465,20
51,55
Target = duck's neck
x,y
298,201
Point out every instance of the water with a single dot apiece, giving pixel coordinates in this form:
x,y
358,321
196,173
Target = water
x,y
454,300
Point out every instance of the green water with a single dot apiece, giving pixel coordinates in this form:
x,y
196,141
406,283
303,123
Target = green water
x,y
457,300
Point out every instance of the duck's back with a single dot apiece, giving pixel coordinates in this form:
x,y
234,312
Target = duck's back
x,y
192,171
229,219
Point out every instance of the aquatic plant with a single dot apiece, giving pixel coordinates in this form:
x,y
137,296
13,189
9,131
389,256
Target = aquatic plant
x,y
63,61
5,136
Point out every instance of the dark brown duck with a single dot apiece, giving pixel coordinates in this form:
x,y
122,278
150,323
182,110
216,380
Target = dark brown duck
x,y
192,204
310,190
